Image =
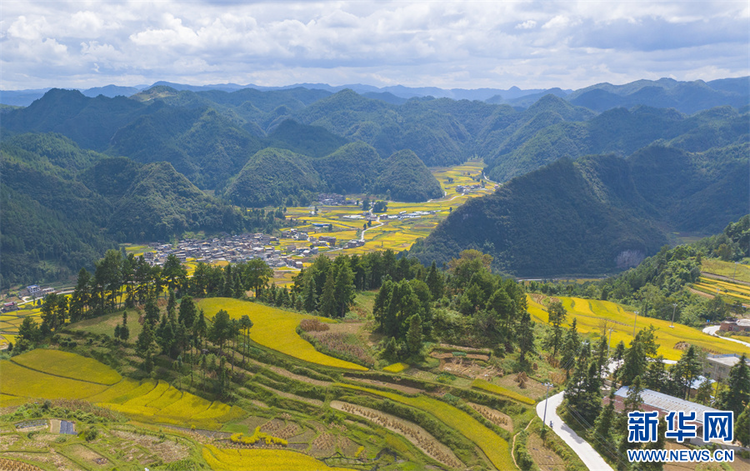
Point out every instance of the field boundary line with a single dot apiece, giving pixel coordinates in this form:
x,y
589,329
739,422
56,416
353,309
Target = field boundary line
x,y
65,377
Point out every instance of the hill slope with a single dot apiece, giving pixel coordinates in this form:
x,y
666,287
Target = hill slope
x,y
597,214
406,178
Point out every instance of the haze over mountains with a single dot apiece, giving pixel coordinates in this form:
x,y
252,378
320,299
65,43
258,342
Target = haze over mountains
x,y
594,179
687,97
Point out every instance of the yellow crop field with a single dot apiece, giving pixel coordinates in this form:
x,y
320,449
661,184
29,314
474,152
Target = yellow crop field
x,y
144,388
123,387
169,397
727,285
68,365
276,329
487,386
151,396
188,405
262,460
493,446
394,234
396,367
739,271
156,402
7,400
591,314
19,381
727,295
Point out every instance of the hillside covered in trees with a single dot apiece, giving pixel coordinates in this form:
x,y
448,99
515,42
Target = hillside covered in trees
x,y
64,206
596,214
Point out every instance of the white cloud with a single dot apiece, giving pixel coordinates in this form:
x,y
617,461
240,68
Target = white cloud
x,y
449,44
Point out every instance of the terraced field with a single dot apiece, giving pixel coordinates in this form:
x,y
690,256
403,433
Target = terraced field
x,y
730,292
501,391
494,447
262,460
591,315
52,374
276,329
740,271
10,321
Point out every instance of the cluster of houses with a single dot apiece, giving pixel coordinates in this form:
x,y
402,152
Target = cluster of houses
x,y
334,199
235,249
463,189
405,215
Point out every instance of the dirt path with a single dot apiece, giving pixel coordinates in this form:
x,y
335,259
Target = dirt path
x,y
288,374
313,402
397,387
418,436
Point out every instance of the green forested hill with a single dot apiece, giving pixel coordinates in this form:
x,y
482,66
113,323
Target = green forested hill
x,y
63,207
313,141
352,168
406,178
618,130
199,142
597,214
273,177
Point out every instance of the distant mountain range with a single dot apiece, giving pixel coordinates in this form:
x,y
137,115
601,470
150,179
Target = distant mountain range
x,y
585,189
687,97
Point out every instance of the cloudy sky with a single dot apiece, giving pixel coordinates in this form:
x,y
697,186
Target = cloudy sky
x,y
530,44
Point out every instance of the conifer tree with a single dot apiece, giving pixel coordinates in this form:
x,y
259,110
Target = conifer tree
x,y
737,395
435,282
310,295
328,302
525,336
414,334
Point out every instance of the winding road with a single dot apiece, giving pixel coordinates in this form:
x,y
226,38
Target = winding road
x,y
711,330
586,452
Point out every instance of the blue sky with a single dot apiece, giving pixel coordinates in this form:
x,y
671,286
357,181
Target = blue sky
x,y
529,44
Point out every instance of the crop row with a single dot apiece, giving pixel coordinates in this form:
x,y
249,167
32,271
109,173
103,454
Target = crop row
x,y
416,435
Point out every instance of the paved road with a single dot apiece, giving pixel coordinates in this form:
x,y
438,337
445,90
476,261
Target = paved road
x,y
588,455
711,330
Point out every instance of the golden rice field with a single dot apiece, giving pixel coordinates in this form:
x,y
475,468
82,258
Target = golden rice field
x,y
51,374
396,367
276,329
394,234
501,391
591,315
10,321
262,460
719,267
68,365
494,447
730,292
